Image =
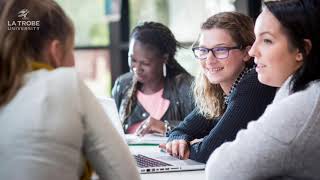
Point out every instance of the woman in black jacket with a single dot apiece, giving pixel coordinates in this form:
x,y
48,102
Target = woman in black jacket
x,y
156,94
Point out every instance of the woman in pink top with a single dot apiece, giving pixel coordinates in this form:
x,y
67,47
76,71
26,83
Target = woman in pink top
x,y
156,94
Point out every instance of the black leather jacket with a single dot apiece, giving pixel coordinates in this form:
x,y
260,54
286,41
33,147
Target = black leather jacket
x,y
176,89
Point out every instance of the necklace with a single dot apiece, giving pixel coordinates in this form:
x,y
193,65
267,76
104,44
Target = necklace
x,y
235,83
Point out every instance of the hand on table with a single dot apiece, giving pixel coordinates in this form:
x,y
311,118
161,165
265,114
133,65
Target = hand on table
x,y
177,148
150,125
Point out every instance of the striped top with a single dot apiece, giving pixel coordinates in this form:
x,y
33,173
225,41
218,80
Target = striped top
x,y
247,102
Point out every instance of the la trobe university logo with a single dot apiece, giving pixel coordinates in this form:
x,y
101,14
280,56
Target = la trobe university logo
x,y
24,24
23,14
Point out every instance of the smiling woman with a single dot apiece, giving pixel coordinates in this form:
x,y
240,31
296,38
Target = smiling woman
x,y
284,142
156,93
227,92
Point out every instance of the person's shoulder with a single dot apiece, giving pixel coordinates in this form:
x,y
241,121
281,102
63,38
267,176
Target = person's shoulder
x,y
125,78
122,84
64,71
182,79
314,86
251,77
57,76
311,93
250,80
60,83
292,113
64,78
249,85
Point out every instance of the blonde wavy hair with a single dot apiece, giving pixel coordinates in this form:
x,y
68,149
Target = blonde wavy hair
x,y
209,98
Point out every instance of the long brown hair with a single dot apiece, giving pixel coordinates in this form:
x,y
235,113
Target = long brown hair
x,y
209,98
18,47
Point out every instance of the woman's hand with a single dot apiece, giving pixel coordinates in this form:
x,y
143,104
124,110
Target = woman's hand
x,y
177,148
150,125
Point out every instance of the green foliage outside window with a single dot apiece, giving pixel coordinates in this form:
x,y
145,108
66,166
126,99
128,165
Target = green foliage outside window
x,y
148,10
88,17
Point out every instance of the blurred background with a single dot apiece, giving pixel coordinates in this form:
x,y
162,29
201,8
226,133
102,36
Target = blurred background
x,y
103,28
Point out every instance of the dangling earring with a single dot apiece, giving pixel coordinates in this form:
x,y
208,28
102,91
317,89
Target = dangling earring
x,y
129,64
164,70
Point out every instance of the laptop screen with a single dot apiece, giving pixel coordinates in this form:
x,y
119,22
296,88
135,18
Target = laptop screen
x,y
110,108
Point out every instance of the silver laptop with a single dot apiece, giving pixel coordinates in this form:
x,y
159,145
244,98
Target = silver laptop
x,y
149,162
154,162
110,108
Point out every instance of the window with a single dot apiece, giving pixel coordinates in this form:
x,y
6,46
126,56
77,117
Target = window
x,y
89,19
94,68
92,59
183,17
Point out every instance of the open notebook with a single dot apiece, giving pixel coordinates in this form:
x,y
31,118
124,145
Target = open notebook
x,y
146,139
149,162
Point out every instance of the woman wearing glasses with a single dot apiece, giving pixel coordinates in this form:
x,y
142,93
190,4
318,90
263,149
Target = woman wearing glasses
x,y
227,92
284,142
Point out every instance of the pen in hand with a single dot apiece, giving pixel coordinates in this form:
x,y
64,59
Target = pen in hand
x,y
162,148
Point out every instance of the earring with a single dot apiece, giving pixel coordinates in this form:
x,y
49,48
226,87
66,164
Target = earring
x,y
129,64
164,70
134,70
299,57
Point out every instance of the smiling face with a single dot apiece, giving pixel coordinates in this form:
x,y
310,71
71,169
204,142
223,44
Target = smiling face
x,y
225,71
145,62
275,59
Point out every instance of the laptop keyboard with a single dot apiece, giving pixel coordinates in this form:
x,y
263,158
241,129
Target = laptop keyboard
x,y
144,161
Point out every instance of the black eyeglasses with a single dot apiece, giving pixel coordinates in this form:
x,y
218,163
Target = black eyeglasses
x,y
220,53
